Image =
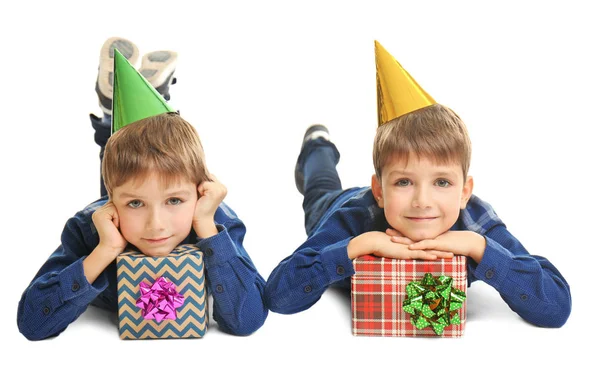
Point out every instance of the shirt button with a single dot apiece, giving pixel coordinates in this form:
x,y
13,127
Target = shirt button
x,y
489,273
220,288
75,287
308,289
209,252
340,270
46,310
524,297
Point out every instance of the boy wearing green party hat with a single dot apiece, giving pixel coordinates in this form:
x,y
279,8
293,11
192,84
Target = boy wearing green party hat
x,y
160,194
419,206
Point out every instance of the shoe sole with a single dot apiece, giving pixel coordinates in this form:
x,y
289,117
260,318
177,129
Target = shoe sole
x,y
105,71
158,67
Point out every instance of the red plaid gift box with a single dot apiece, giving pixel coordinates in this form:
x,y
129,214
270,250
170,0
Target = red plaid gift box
x,y
379,288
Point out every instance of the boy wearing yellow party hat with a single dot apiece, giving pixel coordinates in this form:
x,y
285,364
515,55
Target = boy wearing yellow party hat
x,y
419,206
160,194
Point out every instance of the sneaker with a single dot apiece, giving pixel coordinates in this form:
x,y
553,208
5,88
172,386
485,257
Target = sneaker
x,y
312,133
104,83
158,68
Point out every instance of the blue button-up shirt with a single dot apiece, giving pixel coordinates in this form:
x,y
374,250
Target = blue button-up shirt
x,y
529,284
60,292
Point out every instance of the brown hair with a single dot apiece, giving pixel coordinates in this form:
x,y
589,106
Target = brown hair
x,y
435,132
164,144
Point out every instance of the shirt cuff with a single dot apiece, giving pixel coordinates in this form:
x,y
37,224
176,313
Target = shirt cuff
x,y
217,249
493,267
75,287
335,261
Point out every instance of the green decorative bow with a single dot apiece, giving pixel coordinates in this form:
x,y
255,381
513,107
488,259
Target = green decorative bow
x,y
433,302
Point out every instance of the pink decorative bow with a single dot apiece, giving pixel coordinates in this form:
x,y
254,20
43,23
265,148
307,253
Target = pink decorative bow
x,y
160,300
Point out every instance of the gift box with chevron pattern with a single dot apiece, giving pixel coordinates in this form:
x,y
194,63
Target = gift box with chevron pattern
x,y
139,313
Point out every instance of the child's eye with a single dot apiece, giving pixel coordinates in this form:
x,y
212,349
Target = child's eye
x,y
174,201
442,183
403,182
135,204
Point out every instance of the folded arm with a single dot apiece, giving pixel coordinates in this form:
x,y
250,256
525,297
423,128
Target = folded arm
x,y
236,285
59,292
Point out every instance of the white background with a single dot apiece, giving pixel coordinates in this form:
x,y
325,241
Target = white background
x,y
252,76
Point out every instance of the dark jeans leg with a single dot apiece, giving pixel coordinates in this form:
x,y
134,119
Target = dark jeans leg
x,y
101,137
318,160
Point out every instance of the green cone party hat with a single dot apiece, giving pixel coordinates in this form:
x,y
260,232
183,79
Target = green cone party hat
x,y
133,97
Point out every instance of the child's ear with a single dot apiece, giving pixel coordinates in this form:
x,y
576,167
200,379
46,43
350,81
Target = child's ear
x,y
377,190
466,192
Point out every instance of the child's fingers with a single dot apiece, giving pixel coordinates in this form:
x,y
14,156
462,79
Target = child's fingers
x,y
401,240
205,187
392,232
426,244
423,255
442,254
112,214
213,189
115,219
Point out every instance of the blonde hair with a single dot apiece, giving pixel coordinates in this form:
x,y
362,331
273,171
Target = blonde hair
x,y
434,132
164,144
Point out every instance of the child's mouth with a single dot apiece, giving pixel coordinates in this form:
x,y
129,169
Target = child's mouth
x,y
421,219
157,240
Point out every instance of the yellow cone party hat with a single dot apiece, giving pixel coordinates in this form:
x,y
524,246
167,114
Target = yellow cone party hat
x,y
397,92
133,97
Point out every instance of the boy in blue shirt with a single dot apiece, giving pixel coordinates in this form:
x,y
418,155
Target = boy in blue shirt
x,y
158,194
419,206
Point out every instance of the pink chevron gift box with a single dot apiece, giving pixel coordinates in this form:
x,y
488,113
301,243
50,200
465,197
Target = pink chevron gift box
x,y
162,297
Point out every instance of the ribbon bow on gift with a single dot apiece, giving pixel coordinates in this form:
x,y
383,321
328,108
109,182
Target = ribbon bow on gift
x,y
160,300
433,302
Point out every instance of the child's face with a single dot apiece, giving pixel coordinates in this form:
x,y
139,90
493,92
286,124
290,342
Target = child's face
x,y
420,198
154,217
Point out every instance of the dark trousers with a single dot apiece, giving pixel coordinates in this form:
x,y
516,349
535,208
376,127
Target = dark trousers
x,y
317,162
101,136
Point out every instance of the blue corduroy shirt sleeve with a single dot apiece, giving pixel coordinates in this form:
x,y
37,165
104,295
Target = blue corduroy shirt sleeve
x,y
529,284
60,292
234,282
299,280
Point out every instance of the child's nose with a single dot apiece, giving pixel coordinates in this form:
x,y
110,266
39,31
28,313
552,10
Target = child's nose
x,y
421,198
155,220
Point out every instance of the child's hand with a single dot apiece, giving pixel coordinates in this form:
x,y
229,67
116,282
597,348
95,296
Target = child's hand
x,y
211,194
106,220
466,243
397,237
381,245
